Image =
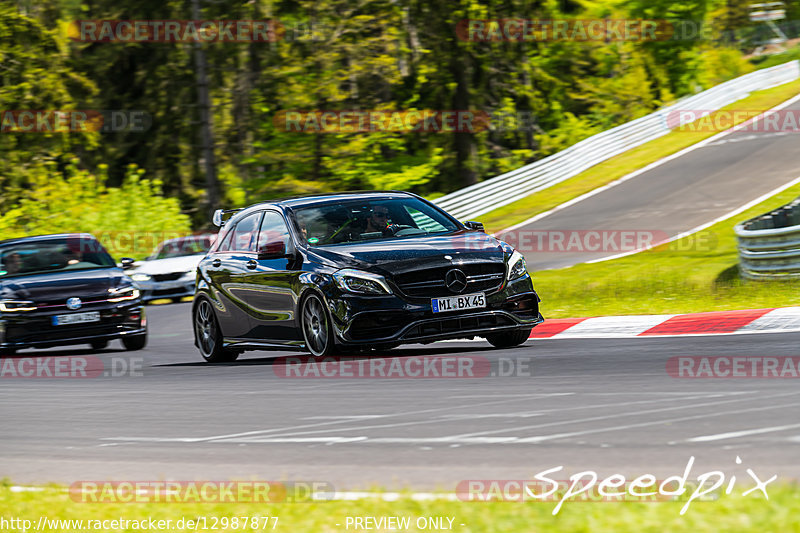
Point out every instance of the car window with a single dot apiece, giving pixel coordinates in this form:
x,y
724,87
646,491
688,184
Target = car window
x,y
424,221
225,245
273,229
368,219
244,235
194,245
53,255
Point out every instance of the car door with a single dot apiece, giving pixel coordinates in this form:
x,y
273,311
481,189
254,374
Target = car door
x,y
272,283
228,271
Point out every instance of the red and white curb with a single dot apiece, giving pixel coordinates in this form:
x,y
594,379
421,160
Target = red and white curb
x,y
778,320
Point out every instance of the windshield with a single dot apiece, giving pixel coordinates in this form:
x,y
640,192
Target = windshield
x,y
183,247
371,219
52,255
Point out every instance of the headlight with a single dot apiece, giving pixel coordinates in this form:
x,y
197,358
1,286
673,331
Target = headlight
x,y
123,293
360,282
15,306
140,277
516,266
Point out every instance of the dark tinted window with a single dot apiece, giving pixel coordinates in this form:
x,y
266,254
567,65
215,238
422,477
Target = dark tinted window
x,y
194,245
53,255
245,233
370,219
273,229
225,245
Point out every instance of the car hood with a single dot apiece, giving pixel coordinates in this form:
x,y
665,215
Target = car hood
x,y
405,254
186,263
57,287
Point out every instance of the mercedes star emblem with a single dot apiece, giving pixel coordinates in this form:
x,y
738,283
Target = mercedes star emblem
x,y
456,281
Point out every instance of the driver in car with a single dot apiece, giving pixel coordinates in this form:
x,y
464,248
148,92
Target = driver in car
x,y
378,219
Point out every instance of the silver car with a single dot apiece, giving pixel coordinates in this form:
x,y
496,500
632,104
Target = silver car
x,y
169,272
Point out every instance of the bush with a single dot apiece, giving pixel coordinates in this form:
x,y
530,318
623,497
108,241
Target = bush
x,y
128,220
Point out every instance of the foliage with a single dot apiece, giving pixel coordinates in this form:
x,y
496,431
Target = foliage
x,y
341,55
121,217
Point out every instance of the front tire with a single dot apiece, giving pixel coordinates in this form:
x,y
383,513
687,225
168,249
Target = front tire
x,y
208,335
317,330
98,345
135,342
509,339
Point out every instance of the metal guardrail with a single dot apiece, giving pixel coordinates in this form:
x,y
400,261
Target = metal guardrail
x,y
769,245
507,188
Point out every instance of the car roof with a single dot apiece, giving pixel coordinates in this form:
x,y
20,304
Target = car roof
x,y
331,197
323,198
309,200
39,238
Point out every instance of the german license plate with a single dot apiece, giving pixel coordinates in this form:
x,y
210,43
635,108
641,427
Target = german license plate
x,y
76,318
458,303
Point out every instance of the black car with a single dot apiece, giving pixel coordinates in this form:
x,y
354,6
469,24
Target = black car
x,y
370,270
60,290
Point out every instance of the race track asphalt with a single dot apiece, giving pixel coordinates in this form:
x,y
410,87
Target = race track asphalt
x,y
607,405
675,197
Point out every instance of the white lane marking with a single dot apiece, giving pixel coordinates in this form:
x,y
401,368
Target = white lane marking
x,y
298,440
626,414
375,440
490,415
291,429
650,423
755,137
743,433
532,395
504,439
651,166
613,326
701,227
483,433
453,438
349,417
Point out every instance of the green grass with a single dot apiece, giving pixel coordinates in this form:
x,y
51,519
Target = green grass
x,y
729,513
773,60
694,274
626,163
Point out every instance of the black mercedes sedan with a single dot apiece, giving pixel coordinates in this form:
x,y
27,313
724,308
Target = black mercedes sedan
x,y
58,290
369,270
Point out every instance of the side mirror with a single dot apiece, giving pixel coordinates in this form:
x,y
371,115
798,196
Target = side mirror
x,y
272,250
474,226
127,263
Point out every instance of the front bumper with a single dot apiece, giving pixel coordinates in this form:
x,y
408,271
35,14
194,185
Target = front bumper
x,y
35,329
392,319
154,290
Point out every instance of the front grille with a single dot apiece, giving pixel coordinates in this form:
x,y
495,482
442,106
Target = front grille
x,y
172,276
42,330
427,283
457,324
378,325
